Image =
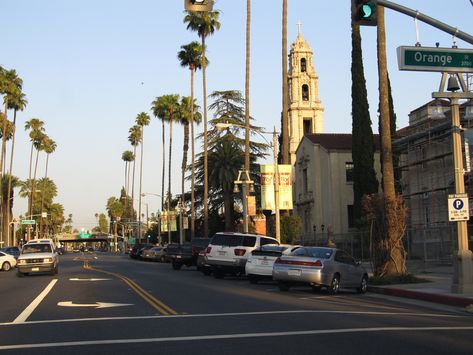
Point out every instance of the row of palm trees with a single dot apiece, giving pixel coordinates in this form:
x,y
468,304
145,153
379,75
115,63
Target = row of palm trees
x,y
15,100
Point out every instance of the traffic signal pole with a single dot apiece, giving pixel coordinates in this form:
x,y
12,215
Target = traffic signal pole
x,y
429,20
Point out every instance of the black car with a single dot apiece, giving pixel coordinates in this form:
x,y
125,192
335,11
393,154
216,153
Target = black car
x,y
137,248
15,251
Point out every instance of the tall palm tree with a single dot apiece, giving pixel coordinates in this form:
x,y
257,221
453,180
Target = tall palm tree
x,y
49,146
205,24
7,202
127,157
39,143
191,56
36,127
142,120
285,90
160,113
166,108
134,138
17,103
187,117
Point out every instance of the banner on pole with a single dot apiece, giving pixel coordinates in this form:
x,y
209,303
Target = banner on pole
x,y
267,187
168,219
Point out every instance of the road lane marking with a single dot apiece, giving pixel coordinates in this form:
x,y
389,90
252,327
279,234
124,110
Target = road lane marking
x,y
95,305
231,336
92,279
28,310
240,314
155,303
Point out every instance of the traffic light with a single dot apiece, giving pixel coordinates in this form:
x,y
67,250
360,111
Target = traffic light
x,y
364,12
198,5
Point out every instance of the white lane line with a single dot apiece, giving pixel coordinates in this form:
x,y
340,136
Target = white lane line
x,y
28,310
230,336
235,314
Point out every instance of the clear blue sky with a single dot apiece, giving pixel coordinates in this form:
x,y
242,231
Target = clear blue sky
x,y
89,67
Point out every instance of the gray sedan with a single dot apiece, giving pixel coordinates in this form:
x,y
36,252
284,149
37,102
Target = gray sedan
x,y
320,267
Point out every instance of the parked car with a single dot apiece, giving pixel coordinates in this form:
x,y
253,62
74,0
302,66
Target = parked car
x,y
320,267
135,250
260,261
202,264
7,261
15,251
38,255
187,253
154,254
227,253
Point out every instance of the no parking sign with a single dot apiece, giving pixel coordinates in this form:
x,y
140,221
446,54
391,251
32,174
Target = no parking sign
x,y
458,207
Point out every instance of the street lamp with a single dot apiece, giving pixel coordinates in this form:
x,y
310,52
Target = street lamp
x,y
180,209
274,145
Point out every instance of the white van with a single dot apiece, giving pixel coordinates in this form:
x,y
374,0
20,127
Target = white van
x,y
227,252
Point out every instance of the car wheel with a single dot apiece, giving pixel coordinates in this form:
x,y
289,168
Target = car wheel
x,y
283,286
253,279
335,285
6,266
161,259
363,285
19,274
206,271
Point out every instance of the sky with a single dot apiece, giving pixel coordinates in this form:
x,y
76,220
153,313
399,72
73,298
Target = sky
x,y
90,67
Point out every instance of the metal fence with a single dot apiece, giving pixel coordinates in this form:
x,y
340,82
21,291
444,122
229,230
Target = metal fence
x,y
433,244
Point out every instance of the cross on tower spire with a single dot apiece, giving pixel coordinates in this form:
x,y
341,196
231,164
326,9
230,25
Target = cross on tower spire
x,y
299,26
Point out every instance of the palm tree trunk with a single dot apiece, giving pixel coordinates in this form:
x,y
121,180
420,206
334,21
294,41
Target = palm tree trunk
x,y
206,173
169,176
10,180
164,169
184,161
247,87
42,192
285,93
395,254
33,181
133,181
228,205
193,156
141,181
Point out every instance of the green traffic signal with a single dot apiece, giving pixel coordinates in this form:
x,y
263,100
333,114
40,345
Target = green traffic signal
x,y
364,12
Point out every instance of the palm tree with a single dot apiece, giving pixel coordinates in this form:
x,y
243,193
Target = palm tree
x,y
115,210
134,138
49,146
142,120
39,143
7,202
191,56
205,24
35,125
187,116
285,91
160,113
166,107
17,103
127,157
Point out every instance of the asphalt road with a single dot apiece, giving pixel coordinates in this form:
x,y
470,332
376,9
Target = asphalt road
x,y
112,304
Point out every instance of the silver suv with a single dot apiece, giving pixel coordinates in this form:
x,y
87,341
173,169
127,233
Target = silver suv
x,y
38,255
227,253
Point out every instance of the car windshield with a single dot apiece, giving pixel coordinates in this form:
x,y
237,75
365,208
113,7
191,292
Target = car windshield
x,y
321,253
36,248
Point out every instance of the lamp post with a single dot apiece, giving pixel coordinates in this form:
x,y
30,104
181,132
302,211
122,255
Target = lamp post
x,y
180,209
247,180
143,194
462,261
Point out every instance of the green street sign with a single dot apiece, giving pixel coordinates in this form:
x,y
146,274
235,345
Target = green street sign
x,y
434,59
28,221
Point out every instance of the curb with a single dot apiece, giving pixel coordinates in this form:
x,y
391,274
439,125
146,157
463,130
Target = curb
x,y
423,296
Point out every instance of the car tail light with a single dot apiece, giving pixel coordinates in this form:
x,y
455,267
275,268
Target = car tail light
x,y
208,250
240,252
202,253
316,263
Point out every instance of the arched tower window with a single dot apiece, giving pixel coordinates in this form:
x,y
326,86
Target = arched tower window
x,y
303,65
305,92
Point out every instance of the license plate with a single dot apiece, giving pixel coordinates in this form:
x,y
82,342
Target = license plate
x,y
35,269
178,256
222,253
264,262
294,272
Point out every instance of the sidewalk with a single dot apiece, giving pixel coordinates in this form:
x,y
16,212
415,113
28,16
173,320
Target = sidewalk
x,y
438,290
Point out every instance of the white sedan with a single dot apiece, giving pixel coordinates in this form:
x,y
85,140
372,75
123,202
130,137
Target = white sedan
x,y
7,261
260,262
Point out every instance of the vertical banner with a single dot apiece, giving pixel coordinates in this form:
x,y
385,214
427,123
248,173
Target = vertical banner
x,y
185,222
164,221
267,187
168,219
251,201
172,221
285,187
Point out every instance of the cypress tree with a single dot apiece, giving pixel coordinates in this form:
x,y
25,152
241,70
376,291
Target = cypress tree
x,y
364,176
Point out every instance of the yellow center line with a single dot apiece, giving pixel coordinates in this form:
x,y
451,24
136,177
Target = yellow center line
x,y
155,303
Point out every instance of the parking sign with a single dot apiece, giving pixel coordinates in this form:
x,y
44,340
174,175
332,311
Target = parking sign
x,y
458,207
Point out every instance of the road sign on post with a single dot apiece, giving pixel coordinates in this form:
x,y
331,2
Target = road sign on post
x,y
458,207
28,221
434,59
